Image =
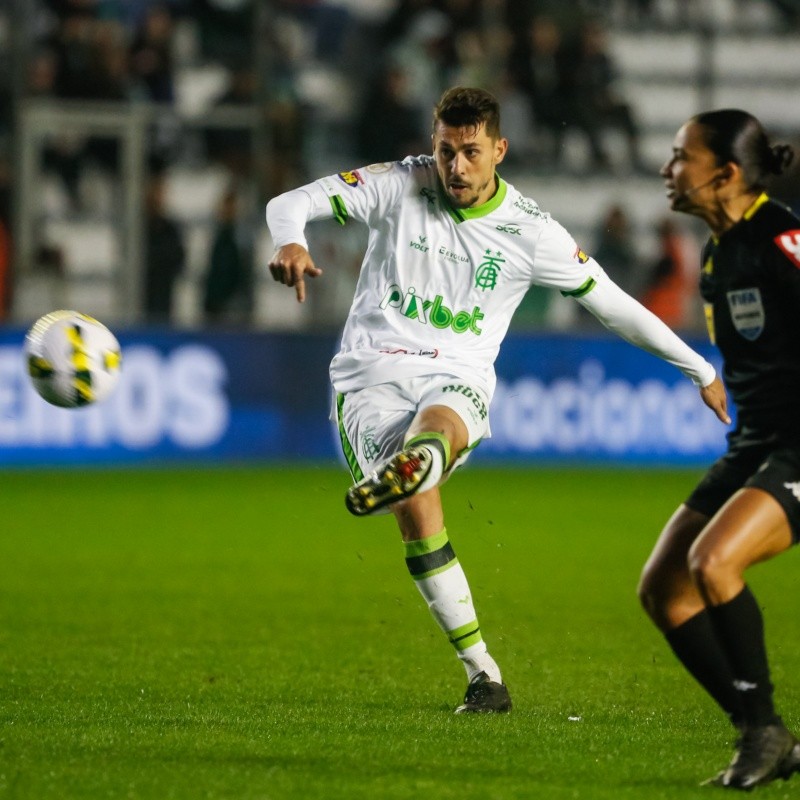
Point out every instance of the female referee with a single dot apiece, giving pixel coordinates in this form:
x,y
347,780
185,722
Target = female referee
x,y
746,509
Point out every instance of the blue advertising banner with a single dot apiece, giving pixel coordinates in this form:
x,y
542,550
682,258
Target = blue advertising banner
x,y
258,396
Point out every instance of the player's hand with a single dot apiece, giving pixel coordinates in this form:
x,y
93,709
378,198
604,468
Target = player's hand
x,y
289,266
715,398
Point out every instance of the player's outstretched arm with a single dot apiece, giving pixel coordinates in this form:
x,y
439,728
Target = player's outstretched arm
x,y
290,264
628,318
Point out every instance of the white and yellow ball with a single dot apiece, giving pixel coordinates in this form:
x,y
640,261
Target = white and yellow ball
x,y
72,359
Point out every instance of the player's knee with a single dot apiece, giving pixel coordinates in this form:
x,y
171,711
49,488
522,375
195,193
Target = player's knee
x,y
709,568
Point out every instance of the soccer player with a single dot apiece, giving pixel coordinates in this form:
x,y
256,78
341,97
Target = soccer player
x,y
747,507
452,250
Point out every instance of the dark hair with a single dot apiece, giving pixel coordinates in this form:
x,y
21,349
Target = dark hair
x,y
734,135
462,107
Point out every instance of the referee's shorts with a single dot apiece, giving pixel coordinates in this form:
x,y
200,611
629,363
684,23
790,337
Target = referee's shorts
x,y
775,470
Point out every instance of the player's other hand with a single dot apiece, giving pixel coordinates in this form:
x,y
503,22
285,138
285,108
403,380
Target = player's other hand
x,y
715,398
290,264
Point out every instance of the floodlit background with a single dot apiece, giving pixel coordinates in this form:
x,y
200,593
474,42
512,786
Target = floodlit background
x,y
140,141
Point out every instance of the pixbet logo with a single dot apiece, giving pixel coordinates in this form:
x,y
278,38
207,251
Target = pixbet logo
x,y
433,311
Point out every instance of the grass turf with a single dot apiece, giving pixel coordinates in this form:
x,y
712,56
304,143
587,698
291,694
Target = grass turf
x,y
233,633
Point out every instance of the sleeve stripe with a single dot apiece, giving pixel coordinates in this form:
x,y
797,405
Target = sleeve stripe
x,y
583,289
339,209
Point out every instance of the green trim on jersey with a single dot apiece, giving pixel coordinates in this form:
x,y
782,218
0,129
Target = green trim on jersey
x,y
465,636
339,209
583,289
463,214
347,448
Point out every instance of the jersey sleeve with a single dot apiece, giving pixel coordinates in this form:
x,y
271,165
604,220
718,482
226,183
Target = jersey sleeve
x,y
628,318
365,194
560,264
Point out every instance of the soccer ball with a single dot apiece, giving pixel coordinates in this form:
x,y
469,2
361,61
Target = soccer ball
x,y
73,360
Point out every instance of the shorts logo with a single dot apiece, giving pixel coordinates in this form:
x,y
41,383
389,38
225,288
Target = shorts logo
x,y
369,448
794,488
789,242
747,312
433,311
351,178
470,394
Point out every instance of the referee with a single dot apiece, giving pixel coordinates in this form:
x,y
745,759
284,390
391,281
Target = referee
x,y
746,509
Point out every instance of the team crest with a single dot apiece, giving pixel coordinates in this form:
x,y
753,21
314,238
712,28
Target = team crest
x,y
747,312
489,270
580,256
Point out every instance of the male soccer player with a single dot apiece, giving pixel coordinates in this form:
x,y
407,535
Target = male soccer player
x,y
452,250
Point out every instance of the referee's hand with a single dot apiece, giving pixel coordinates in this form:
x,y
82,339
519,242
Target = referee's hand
x,y
715,398
289,266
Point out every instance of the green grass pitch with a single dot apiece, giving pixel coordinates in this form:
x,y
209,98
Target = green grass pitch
x,y
233,633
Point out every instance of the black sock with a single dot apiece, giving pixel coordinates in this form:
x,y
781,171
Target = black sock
x,y
739,627
697,648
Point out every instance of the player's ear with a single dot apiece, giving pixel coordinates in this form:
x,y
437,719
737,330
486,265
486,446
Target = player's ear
x,y
500,150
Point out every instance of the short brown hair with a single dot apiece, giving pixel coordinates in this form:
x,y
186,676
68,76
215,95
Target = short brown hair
x,y
462,107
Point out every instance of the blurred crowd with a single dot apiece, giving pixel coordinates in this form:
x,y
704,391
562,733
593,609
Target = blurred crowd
x,y
336,82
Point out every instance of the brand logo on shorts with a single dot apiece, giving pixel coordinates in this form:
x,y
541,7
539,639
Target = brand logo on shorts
x,y
471,394
433,311
369,448
794,488
747,312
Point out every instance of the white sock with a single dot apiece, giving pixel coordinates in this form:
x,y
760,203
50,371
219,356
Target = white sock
x,y
442,583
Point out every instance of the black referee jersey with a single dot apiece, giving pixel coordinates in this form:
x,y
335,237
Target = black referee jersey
x,y
750,283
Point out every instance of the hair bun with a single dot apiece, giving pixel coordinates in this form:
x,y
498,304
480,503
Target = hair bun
x,y
782,155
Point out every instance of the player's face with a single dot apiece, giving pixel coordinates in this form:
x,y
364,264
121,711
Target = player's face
x,y
466,159
690,173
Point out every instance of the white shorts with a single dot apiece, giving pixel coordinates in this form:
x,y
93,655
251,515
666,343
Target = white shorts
x,y
373,421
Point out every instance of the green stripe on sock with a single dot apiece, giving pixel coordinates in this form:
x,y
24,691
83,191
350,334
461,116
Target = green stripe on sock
x,y
420,547
431,556
425,438
431,563
466,636
347,448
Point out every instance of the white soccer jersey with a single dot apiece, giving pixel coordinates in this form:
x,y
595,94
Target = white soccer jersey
x,y
439,285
